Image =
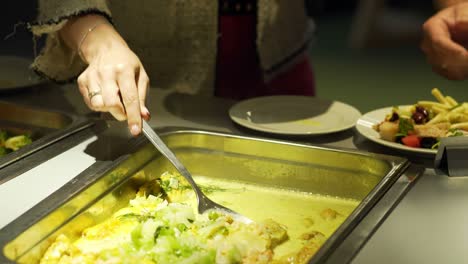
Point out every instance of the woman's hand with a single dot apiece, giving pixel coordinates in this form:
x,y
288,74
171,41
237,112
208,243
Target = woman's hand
x,y
445,36
115,80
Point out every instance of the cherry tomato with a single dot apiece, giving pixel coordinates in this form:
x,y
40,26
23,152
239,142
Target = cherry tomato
x,y
411,141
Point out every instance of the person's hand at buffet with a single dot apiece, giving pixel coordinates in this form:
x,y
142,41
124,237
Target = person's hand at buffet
x,y
445,38
115,80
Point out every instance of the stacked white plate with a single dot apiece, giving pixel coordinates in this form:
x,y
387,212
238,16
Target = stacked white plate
x,y
294,115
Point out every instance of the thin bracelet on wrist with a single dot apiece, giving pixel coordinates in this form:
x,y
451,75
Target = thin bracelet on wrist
x,y
86,35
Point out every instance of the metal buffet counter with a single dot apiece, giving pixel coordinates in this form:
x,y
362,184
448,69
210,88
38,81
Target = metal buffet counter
x,y
428,226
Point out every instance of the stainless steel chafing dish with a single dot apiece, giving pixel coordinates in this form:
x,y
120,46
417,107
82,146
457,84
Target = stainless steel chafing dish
x,y
44,126
378,182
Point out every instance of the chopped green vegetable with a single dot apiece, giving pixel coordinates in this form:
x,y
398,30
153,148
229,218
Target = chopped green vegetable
x,y
436,145
404,126
181,227
173,184
213,215
10,143
454,132
17,142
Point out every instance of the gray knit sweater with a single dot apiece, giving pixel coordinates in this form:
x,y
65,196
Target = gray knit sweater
x,y
175,39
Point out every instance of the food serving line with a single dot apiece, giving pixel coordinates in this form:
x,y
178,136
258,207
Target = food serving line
x,y
427,226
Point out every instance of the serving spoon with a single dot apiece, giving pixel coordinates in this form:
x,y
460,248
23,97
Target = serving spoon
x,y
204,203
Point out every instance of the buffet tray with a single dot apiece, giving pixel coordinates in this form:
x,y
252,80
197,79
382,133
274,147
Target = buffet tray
x,y
44,126
107,186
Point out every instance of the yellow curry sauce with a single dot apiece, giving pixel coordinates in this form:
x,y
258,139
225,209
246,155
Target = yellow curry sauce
x,y
301,213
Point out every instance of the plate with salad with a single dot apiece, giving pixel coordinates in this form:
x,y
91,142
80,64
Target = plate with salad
x,y
418,127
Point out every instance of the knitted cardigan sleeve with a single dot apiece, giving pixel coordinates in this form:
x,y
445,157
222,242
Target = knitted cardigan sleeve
x,y
56,60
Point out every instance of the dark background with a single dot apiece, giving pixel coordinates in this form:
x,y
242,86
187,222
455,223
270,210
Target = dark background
x,y
386,68
23,11
17,13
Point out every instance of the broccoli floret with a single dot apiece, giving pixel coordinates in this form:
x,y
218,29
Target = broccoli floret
x,y
17,142
3,137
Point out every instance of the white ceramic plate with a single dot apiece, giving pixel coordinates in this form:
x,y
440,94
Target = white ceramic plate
x,y
16,74
367,121
294,115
